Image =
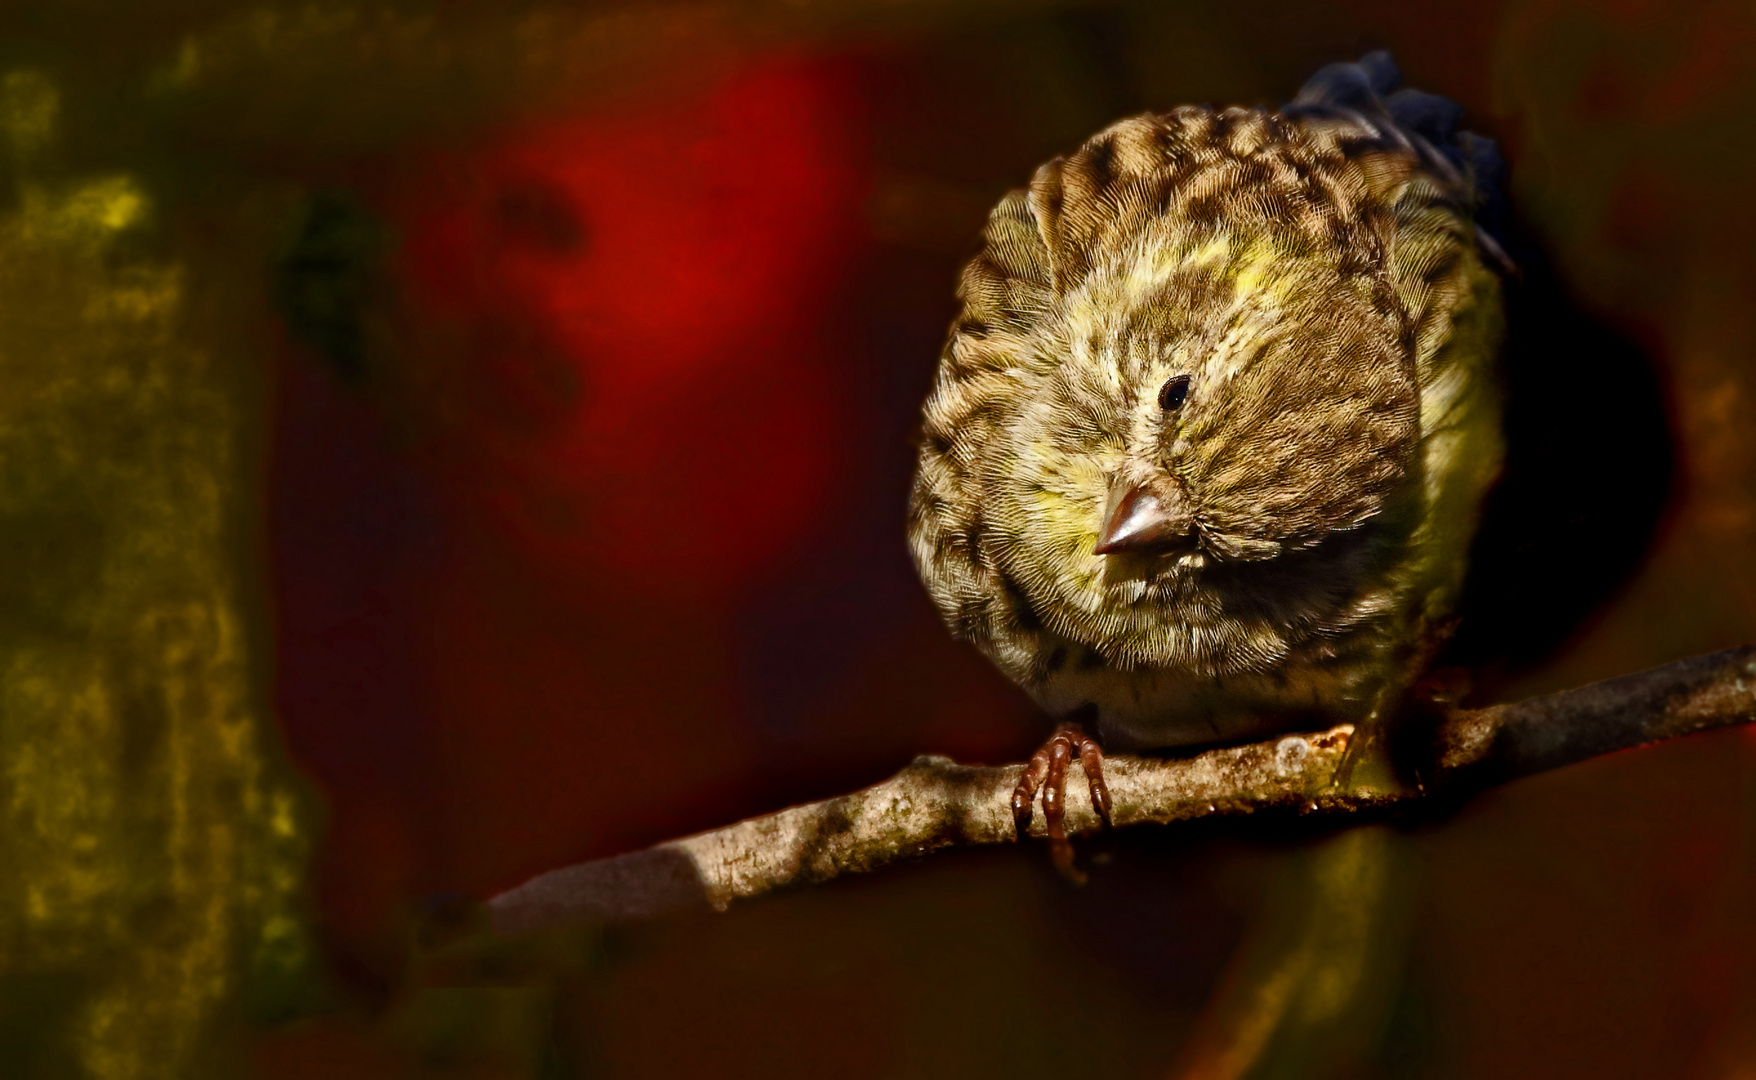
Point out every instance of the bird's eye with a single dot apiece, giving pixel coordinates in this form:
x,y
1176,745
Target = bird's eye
x,y
1172,393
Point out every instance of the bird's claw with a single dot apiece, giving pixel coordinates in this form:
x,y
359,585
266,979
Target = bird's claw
x,y
1047,771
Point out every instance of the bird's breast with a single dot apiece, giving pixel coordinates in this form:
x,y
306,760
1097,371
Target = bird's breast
x,y
1157,708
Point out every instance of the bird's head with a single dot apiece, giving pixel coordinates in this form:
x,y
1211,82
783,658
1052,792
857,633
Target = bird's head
x,y
1191,386
1234,407
1242,403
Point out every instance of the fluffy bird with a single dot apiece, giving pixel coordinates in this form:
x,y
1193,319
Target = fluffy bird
x,y
1206,446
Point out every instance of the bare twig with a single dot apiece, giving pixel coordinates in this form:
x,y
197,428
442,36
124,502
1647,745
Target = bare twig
x,y
935,803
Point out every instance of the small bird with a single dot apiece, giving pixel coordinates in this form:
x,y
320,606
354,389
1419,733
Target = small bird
x,y
1207,444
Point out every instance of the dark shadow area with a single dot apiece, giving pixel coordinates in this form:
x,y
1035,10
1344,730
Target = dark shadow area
x,y
1589,473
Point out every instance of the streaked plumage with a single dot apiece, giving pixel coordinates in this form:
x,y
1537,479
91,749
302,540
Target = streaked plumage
x,y
1318,275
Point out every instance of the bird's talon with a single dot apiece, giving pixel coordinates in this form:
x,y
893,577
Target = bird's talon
x,y
1021,812
1100,801
1061,854
1047,772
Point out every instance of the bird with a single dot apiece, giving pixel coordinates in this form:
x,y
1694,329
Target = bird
x,y
1208,441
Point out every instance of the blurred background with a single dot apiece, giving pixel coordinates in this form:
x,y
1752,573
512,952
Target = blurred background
x,y
441,442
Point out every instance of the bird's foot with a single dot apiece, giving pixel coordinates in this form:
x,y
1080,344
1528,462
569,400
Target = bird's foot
x,y
1047,771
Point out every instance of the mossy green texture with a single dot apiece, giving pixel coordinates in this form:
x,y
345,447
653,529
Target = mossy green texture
x,y
151,841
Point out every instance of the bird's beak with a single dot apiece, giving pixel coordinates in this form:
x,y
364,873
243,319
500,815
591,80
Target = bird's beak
x,y
1137,519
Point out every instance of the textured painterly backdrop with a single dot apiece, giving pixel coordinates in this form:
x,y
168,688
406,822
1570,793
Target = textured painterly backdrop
x,y
441,442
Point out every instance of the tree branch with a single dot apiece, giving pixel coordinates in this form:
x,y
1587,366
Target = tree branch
x,y
935,804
